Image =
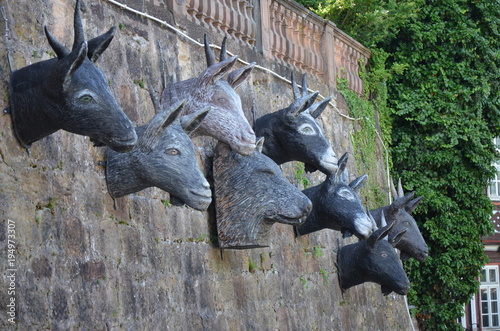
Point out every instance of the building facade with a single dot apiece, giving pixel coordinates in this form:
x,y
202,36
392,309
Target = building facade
x,y
482,312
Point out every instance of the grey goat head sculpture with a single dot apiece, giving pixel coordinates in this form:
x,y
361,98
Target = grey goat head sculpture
x,y
337,206
251,194
163,157
292,133
70,93
373,260
412,244
226,121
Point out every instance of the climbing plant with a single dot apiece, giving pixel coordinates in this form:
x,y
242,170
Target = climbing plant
x,y
443,101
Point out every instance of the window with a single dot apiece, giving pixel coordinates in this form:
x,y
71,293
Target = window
x,y
489,297
494,188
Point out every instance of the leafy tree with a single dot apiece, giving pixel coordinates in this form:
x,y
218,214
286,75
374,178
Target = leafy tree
x,y
445,111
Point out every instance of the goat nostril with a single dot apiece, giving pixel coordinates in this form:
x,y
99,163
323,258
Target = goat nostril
x,y
309,207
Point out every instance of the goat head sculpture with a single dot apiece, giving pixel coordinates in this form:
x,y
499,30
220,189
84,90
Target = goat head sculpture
x,y
373,260
412,244
337,206
293,134
163,157
251,194
226,121
70,93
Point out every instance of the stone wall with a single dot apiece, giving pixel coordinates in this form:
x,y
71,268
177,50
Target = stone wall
x,y
81,264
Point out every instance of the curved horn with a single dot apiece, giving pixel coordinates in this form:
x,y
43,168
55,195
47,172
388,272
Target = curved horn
x,y
223,53
60,50
79,36
208,52
400,189
295,88
304,85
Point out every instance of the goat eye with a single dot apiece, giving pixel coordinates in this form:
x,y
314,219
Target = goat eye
x,y
306,129
86,98
172,151
222,100
406,223
384,255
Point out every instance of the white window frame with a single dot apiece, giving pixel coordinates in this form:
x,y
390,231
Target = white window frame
x,y
494,187
490,286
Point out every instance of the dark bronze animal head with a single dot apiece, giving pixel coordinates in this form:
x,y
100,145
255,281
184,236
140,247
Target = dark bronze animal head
x,y
163,157
337,206
412,244
373,260
226,121
293,134
70,93
251,194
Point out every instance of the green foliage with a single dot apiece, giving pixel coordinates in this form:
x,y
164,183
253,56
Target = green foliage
x,y
367,21
443,105
446,110
300,175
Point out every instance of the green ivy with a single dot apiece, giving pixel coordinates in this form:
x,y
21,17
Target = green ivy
x,y
442,113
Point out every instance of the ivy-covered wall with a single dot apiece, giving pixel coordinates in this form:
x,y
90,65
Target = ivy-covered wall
x,y
81,264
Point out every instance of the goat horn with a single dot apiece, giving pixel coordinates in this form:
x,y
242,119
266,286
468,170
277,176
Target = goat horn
x,y
79,36
393,190
304,85
60,50
223,53
208,52
400,188
295,88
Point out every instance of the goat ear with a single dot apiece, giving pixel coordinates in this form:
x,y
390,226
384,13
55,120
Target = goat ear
x,y
70,63
99,44
379,235
157,125
410,207
236,77
400,203
259,144
395,239
358,183
338,175
299,105
317,108
215,72
60,50
192,121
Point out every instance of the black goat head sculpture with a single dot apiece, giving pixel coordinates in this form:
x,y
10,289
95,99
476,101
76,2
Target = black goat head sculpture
x,y
163,157
412,244
373,260
251,194
337,206
70,93
293,134
226,121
